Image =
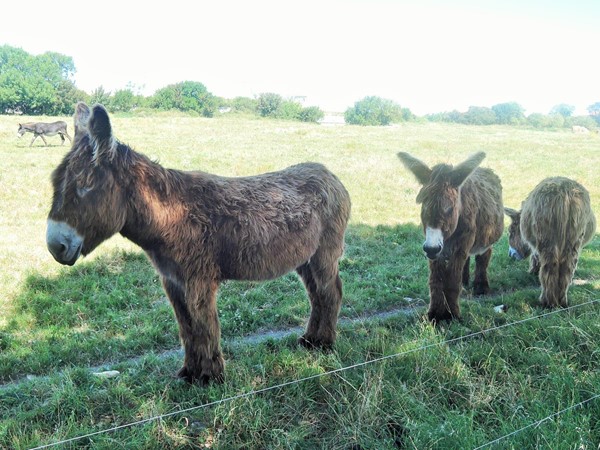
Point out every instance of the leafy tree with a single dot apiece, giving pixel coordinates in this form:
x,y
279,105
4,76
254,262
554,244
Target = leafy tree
x,y
288,110
186,96
479,115
563,110
122,100
36,84
584,121
268,104
509,113
311,114
374,111
67,95
594,109
99,95
244,104
538,120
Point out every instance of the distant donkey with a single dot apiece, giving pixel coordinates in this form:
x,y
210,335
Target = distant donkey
x,y
462,215
556,220
199,229
41,129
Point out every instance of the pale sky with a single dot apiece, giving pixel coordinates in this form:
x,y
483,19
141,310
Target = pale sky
x,y
429,56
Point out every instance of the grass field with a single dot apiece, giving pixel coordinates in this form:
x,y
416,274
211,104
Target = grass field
x,y
431,388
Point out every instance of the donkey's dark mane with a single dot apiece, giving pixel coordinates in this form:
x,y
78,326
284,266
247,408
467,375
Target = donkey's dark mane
x,y
438,182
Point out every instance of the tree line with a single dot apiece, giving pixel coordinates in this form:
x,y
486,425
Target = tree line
x,y
44,85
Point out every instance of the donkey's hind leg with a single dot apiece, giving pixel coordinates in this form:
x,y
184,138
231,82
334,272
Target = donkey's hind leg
x,y
481,285
465,273
322,280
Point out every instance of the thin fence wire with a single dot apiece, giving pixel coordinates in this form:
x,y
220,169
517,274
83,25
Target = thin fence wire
x,y
331,372
539,422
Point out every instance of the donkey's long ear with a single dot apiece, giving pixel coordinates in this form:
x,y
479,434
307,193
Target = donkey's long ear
x,y
464,169
101,136
418,168
512,213
80,118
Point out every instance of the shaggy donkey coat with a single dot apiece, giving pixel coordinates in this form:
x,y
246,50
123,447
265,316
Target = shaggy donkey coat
x,y
556,220
199,229
462,215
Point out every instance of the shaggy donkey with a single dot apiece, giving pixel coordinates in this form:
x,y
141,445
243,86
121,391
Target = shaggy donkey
x,y
41,129
556,220
462,215
199,229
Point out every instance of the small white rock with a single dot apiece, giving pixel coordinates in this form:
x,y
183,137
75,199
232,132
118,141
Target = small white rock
x,y
107,374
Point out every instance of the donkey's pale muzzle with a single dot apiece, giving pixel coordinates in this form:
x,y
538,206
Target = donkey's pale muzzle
x,y
434,242
514,253
63,241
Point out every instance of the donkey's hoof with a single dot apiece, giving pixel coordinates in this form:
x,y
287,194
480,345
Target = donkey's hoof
x,y
444,316
200,378
185,375
480,289
314,343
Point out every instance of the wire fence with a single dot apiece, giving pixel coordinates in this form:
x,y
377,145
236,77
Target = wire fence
x,y
346,368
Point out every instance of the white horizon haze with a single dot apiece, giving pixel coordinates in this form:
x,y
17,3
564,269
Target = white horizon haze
x,y
429,56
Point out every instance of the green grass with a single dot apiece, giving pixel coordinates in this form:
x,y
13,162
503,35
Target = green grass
x,y
109,311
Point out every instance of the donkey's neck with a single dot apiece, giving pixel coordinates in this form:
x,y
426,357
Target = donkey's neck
x,y
155,206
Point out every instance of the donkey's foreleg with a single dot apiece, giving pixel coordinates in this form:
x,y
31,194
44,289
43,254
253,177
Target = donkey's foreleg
x,y
44,139
444,289
439,308
324,286
176,295
35,136
481,285
206,361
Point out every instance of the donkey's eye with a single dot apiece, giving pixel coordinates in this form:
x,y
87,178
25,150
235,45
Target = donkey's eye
x,y
448,210
83,191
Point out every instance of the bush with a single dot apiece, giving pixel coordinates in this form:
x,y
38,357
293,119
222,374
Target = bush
x,y
273,105
509,113
375,111
583,121
123,100
186,96
244,104
268,104
288,110
311,114
99,95
479,115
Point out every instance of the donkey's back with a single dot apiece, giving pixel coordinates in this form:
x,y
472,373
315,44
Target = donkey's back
x,y
260,227
555,222
481,198
558,214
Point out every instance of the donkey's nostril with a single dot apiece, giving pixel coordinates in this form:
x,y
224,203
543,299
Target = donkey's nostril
x,y
57,248
432,252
